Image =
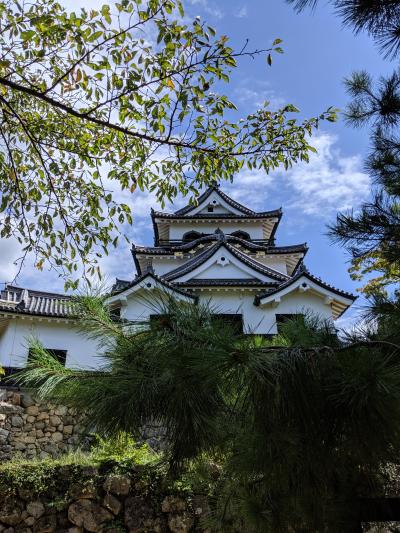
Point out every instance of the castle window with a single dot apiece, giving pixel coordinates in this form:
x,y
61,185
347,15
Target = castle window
x,y
60,355
284,318
210,209
234,320
115,313
191,236
241,235
5,380
161,321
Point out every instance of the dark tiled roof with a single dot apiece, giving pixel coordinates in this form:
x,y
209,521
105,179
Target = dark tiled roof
x,y
127,285
217,216
244,282
199,259
31,302
246,213
215,188
267,248
120,284
304,272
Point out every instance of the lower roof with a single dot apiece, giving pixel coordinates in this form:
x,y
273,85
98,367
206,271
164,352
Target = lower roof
x,y
38,303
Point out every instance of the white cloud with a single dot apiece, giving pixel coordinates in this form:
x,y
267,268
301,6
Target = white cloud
x,y
10,251
241,12
253,94
330,182
208,8
250,188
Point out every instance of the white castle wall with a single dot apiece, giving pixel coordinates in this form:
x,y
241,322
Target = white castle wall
x,y
14,341
162,265
85,353
261,320
177,230
273,262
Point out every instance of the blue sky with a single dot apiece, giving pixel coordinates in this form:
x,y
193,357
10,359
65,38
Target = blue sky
x,y
319,53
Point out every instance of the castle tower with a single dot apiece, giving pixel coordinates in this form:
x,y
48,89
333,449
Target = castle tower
x,y
223,252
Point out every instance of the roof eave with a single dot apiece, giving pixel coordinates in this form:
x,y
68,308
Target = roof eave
x,y
341,294
156,278
135,260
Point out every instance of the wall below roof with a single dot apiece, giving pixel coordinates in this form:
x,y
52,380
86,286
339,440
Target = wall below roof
x,y
177,230
164,264
84,353
258,320
14,341
276,262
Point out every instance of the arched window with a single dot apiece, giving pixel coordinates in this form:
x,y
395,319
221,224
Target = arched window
x,y
191,236
241,235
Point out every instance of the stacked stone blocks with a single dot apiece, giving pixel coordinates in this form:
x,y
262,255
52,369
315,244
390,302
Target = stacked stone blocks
x,y
32,429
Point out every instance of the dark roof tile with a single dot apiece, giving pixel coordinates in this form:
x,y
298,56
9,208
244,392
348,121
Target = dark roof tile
x,y
302,271
118,289
199,259
31,302
230,201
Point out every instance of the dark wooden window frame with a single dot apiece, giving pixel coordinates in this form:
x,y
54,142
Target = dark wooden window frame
x,y
60,355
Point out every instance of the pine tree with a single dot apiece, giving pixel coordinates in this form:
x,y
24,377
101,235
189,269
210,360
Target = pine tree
x,y
372,234
300,427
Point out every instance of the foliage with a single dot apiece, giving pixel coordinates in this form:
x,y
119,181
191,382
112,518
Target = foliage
x,y
40,476
372,233
284,433
379,18
121,98
122,449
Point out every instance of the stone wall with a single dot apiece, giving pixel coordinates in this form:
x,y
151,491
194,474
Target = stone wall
x,y
81,499
32,429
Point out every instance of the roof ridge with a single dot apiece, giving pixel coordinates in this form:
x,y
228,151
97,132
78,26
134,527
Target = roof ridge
x,y
198,260
157,278
268,270
268,248
38,292
252,214
215,187
311,277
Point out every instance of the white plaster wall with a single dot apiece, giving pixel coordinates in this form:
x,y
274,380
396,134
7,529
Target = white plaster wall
x,y
214,268
140,305
219,209
259,319
256,319
254,229
162,265
231,271
14,340
219,205
275,262
84,353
